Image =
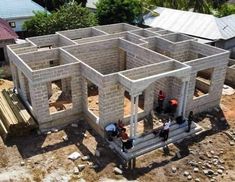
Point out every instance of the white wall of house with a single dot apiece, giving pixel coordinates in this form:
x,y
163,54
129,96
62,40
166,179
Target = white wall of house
x,y
18,23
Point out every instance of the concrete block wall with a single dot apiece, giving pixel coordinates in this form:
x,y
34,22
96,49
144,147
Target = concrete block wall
x,y
45,40
230,76
81,33
98,55
212,99
116,28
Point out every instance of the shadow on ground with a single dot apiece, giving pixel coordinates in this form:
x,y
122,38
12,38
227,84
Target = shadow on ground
x,y
31,145
217,122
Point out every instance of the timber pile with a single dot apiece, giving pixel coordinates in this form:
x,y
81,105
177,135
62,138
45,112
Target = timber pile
x,y
14,118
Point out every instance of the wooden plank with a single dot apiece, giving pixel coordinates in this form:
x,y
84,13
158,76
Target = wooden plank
x,y
20,110
7,114
3,131
12,106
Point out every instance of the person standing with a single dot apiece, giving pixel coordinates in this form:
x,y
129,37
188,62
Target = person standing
x,y
166,129
161,98
190,120
173,104
124,138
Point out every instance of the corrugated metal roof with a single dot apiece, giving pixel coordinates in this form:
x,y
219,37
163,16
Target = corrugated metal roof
x,y
191,23
18,8
6,32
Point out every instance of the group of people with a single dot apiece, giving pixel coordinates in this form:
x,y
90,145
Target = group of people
x,y
118,130
172,104
171,109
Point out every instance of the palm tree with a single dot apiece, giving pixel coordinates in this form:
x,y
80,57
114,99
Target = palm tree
x,y
200,6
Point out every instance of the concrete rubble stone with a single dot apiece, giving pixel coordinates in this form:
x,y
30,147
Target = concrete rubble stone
x,y
117,170
86,158
65,138
208,165
189,177
173,169
22,163
75,170
208,155
220,171
231,143
221,167
197,180
81,166
74,156
186,173
196,170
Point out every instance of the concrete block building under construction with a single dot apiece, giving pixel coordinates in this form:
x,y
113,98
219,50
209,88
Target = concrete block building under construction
x,y
118,65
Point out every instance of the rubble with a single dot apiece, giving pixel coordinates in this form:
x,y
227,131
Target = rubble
x,y
186,173
74,156
117,170
75,170
81,166
173,169
86,158
196,170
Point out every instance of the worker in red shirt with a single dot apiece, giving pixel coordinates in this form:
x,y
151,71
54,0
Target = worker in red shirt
x,y
161,98
126,142
173,104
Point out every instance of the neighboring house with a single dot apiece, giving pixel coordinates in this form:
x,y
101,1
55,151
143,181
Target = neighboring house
x,y
7,36
219,32
15,12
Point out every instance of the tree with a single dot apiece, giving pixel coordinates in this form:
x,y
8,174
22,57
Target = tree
x,y
116,11
225,10
200,6
52,5
69,16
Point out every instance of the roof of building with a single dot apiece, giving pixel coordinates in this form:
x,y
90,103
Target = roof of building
x,y
6,32
18,8
191,23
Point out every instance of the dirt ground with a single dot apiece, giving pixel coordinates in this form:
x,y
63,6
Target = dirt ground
x,y
58,101
44,157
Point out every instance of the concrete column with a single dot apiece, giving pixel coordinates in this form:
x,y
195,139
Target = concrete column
x,y
49,89
84,94
149,98
132,116
136,114
183,99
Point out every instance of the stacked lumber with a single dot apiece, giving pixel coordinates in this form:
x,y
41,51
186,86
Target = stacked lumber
x,y
15,119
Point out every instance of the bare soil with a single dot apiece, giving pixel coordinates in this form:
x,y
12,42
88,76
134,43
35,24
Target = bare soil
x,y
45,155
58,101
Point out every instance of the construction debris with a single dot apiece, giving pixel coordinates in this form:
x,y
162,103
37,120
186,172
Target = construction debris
x,y
74,156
